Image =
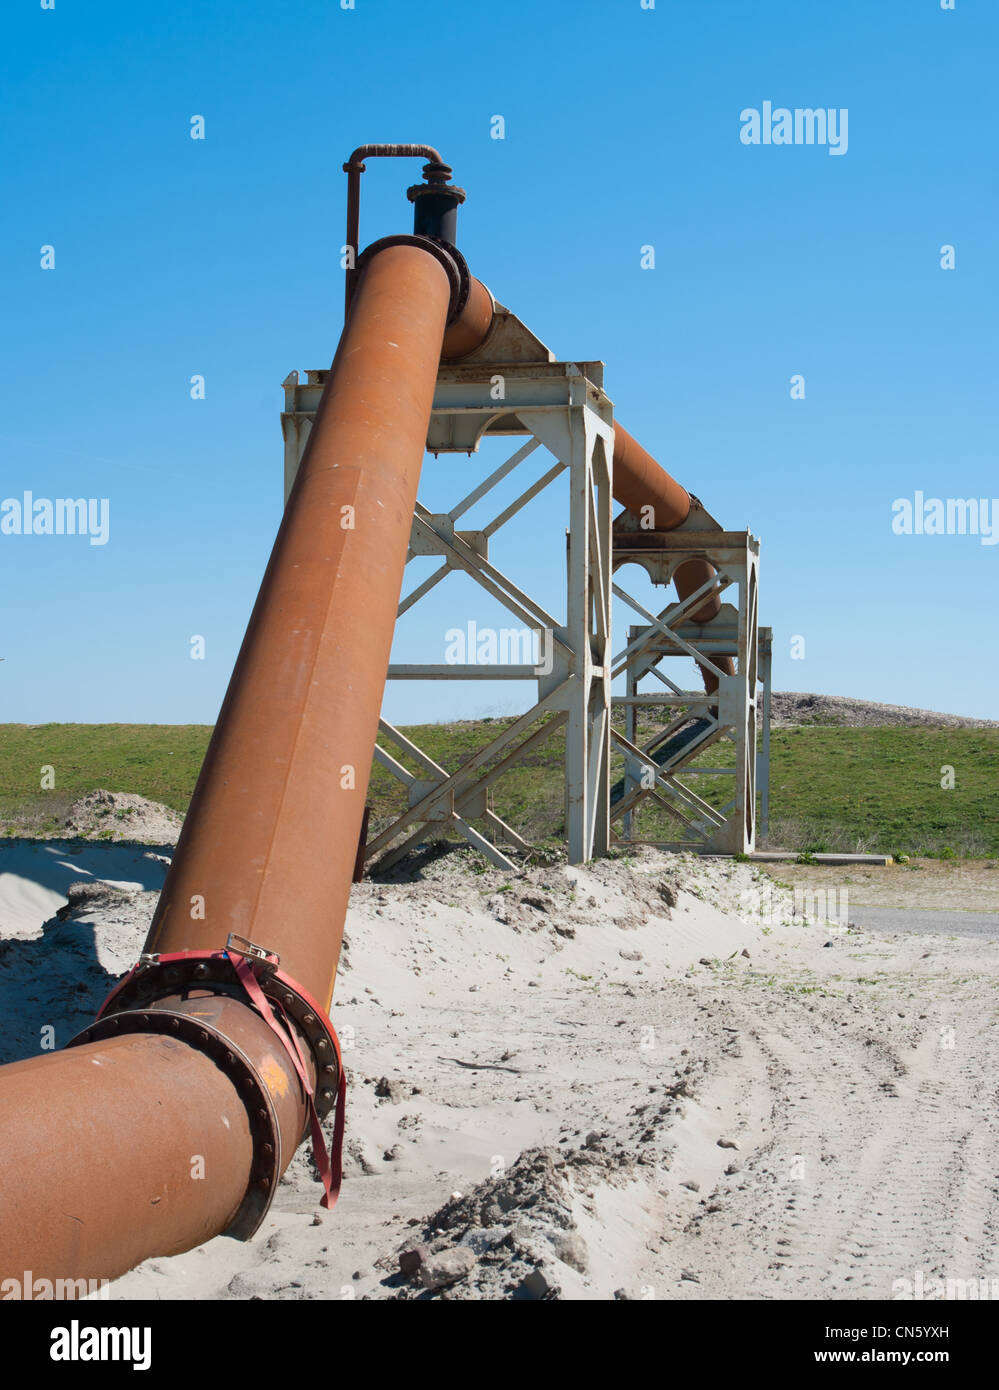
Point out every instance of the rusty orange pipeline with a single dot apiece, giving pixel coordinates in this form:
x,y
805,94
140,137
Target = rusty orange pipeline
x,y
170,1119
269,842
640,483
471,325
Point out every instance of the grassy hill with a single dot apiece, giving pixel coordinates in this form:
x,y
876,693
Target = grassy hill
x,y
875,789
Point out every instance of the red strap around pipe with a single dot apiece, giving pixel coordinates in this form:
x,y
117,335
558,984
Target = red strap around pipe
x,y
330,1169
331,1173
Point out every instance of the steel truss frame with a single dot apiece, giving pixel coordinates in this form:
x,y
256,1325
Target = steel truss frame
x,y
562,408
652,769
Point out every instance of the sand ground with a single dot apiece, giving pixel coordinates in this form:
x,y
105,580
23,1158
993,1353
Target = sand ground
x,y
640,1079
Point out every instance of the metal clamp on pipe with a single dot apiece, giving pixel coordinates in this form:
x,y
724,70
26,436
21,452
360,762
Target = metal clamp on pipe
x,y
158,976
201,999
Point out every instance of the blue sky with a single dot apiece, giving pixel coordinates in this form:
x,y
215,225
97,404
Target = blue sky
x,y
220,257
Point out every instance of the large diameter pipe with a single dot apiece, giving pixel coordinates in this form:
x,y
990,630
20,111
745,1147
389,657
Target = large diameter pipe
x,y
688,578
471,324
116,1151
646,489
640,483
140,1144
145,1143
268,845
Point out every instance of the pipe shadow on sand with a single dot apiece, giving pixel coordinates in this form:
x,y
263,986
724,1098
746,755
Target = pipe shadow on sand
x,y
52,977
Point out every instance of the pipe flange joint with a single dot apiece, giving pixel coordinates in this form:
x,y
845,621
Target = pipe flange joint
x,y
449,191
157,976
447,255
265,1131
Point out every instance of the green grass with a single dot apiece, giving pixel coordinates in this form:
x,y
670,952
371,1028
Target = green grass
x,y
874,789
881,786
160,761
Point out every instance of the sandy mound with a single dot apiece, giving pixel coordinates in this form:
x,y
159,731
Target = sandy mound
x,y
516,1236
793,707
122,816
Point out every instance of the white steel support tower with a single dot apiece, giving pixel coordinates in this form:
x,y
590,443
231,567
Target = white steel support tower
x,y
513,386
562,409
662,769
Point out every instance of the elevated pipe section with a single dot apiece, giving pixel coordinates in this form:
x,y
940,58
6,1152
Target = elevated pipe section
x,y
641,483
173,1118
471,323
271,836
